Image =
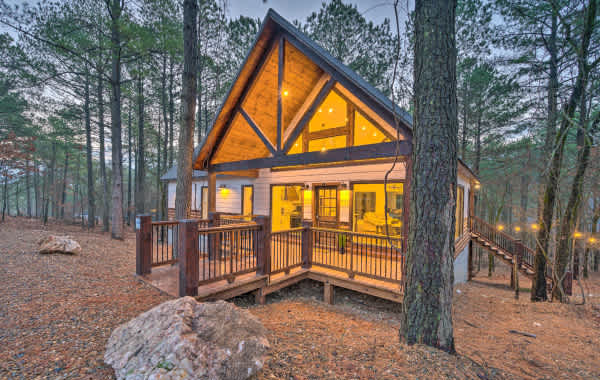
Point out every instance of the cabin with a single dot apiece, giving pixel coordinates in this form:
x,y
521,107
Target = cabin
x,y
234,196
299,150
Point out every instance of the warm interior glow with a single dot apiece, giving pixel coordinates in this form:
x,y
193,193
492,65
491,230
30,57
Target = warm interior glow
x,y
369,208
327,143
335,117
297,147
248,199
286,207
368,133
344,195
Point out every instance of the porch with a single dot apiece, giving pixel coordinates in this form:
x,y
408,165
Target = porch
x,y
227,256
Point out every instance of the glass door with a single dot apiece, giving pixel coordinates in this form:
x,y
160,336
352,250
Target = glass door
x,y
326,207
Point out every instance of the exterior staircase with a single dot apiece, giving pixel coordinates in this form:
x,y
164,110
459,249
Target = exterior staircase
x,y
505,247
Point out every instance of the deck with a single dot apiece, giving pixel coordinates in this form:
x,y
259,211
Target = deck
x,y
166,278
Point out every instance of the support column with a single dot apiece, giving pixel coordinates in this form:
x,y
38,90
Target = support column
x,y
307,244
212,191
263,249
189,268
143,244
328,293
470,266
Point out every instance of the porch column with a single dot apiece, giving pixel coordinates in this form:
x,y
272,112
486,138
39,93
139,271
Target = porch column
x,y
143,244
212,191
189,270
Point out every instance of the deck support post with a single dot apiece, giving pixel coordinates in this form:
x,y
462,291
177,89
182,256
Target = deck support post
x,y
307,244
470,266
406,205
328,293
189,269
264,245
143,244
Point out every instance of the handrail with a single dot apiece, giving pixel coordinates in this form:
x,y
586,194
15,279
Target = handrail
x,y
288,230
496,230
353,233
230,227
165,223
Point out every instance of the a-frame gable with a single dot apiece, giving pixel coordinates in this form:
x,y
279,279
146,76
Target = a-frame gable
x,y
281,84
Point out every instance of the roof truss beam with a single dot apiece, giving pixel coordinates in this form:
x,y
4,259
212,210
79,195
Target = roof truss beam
x,y
258,131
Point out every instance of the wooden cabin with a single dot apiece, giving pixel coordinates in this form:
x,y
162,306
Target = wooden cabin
x,y
304,138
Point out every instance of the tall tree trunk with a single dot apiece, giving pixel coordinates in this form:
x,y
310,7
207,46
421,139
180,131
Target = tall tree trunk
x,y
186,132
76,180
538,283
129,211
88,150
115,114
140,164
17,194
36,187
427,306
50,183
105,192
567,222
5,194
63,196
524,204
171,112
27,185
477,145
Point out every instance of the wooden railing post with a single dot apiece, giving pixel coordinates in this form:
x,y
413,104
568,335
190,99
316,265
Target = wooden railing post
x,y
214,240
143,244
264,245
189,267
307,244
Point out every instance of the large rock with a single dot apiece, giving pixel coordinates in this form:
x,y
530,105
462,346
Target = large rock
x,y
185,339
59,244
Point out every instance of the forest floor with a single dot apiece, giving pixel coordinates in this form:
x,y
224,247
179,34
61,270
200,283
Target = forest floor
x,y
57,312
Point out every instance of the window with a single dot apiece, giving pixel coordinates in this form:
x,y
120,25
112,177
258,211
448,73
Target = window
x,y
286,207
336,124
327,201
331,114
327,143
460,211
366,132
247,200
369,208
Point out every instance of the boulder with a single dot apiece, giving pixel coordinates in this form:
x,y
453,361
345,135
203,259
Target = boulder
x,y
59,244
185,339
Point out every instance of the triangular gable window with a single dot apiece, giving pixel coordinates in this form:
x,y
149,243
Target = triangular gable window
x,y
338,123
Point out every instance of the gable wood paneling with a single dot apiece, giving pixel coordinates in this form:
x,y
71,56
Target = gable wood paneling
x,y
240,143
300,77
261,101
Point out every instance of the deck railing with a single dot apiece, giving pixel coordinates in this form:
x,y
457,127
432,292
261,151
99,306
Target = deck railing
x,y
207,251
286,247
164,242
368,255
227,251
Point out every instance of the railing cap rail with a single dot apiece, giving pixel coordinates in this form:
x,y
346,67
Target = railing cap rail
x,y
230,227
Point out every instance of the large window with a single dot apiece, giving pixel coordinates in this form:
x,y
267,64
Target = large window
x,y
369,208
286,207
337,123
247,200
460,211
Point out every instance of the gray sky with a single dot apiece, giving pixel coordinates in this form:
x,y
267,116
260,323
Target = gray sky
x,y
373,10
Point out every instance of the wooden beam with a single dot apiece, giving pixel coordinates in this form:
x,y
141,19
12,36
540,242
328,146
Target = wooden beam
x,y
330,132
280,69
309,114
304,107
362,152
258,131
212,191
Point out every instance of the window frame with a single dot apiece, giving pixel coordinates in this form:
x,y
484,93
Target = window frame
x,y
378,182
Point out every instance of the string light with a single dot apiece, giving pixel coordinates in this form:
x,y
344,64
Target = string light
x,y
517,228
577,234
500,227
535,226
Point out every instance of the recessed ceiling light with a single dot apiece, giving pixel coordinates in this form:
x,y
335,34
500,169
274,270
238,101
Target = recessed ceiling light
x,y
285,93
364,128
330,110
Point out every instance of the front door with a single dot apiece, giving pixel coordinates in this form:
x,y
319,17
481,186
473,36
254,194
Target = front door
x,y
326,206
